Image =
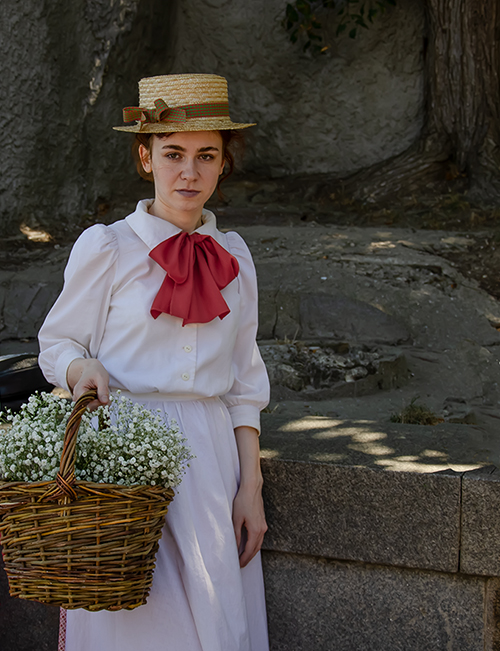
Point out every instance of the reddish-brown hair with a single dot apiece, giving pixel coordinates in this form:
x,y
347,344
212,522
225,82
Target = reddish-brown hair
x,y
231,139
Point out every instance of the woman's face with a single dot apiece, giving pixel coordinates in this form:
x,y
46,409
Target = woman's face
x,y
186,167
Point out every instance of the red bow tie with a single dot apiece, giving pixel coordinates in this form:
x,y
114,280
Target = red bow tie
x,y
197,269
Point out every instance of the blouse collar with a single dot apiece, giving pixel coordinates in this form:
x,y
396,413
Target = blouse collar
x,y
153,230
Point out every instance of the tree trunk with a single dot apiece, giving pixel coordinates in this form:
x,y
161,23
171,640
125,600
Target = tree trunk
x,y
461,131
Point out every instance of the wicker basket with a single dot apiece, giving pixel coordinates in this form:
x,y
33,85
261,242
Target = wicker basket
x,y
79,544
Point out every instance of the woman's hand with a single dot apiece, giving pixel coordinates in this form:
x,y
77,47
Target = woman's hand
x,y
248,508
85,374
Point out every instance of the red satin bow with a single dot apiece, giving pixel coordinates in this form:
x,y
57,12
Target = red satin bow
x,y
197,269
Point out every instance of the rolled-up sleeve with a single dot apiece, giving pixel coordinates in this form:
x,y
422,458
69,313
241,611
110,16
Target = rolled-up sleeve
x,y
75,324
249,393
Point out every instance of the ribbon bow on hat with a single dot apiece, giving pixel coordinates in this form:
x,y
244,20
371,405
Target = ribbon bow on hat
x,y
197,269
161,113
164,113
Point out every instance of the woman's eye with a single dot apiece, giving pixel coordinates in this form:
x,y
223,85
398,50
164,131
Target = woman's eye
x,y
207,157
172,155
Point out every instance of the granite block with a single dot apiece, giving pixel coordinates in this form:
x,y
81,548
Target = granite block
x,y
26,625
320,605
480,538
358,514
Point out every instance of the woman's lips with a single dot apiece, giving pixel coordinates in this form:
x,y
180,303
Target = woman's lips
x,y
188,193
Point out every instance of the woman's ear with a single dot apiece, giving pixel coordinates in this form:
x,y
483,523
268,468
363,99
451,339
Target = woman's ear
x,y
145,156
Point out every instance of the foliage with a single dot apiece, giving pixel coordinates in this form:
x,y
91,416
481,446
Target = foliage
x,y
301,19
123,443
416,414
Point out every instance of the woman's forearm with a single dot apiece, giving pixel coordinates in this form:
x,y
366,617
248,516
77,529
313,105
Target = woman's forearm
x,y
248,508
247,441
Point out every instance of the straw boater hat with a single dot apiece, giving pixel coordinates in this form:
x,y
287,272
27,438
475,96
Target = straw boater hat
x,y
172,103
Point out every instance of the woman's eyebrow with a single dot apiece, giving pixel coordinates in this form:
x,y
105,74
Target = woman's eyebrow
x,y
176,147
179,148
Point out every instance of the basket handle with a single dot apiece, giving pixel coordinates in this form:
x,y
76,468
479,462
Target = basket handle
x,y
65,479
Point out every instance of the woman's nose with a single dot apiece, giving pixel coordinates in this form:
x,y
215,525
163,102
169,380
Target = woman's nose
x,y
189,170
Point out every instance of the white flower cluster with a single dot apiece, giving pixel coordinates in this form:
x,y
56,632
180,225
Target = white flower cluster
x,y
132,445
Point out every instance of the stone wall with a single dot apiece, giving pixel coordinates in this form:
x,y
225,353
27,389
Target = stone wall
x,y
385,561
359,104
69,68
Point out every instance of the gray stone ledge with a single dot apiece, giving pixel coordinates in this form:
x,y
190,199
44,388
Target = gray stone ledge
x,y
297,436
390,518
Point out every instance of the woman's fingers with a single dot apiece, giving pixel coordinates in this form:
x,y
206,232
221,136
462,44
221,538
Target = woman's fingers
x,y
252,546
85,374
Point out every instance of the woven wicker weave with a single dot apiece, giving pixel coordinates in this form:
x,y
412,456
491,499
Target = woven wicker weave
x,y
79,544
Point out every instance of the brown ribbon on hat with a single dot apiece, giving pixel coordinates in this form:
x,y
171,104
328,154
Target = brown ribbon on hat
x,y
164,113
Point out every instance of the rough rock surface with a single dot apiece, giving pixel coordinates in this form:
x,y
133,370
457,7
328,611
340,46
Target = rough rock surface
x,y
447,327
70,67
355,106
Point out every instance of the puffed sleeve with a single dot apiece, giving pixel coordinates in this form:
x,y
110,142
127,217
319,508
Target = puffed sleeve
x,y
249,393
75,325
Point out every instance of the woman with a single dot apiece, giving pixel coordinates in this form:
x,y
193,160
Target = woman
x,y
163,306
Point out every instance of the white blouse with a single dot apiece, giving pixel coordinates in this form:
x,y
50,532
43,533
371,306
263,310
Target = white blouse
x,y
103,312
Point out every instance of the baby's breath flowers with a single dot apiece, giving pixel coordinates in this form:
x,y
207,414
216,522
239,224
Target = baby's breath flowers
x,y
133,445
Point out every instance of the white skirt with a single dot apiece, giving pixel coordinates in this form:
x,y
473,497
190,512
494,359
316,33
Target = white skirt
x,y
200,600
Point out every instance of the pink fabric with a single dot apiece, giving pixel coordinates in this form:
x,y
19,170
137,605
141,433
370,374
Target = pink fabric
x,y
197,269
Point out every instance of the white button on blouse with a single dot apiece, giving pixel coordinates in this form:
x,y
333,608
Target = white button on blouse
x,y
188,348
185,376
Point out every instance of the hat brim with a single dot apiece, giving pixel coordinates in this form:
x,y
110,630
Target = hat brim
x,y
197,124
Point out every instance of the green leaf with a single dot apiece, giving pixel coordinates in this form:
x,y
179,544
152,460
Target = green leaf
x,y
294,36
307,45
315,24
340,28
315,37
352,33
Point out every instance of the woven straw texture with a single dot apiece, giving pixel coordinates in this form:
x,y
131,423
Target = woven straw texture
x,y
80,544
183,90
